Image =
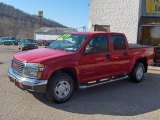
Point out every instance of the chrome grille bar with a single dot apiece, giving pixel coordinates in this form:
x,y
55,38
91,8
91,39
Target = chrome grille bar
x,y
17,66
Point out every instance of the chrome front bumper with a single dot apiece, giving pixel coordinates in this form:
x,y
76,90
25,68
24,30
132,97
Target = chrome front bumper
x,y
28,84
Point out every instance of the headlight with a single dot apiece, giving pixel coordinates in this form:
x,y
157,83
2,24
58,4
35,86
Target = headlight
x,y
33,70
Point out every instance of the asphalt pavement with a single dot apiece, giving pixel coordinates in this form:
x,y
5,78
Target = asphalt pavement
x,y
122,100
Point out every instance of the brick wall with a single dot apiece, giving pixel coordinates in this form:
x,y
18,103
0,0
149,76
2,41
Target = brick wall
x,y
121,15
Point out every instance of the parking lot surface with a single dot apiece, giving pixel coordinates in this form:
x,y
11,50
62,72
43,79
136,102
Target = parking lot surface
x,y
122,100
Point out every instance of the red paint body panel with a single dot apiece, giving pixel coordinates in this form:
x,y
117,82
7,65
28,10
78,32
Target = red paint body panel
x,y
40,55
88,67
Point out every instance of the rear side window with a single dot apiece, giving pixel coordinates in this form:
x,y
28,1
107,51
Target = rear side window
x,y
118,42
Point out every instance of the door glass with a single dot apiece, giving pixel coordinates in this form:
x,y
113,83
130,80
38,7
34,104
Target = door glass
x,y
98,44
118,42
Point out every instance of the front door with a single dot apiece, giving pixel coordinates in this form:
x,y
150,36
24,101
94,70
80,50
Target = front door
x,y
96,62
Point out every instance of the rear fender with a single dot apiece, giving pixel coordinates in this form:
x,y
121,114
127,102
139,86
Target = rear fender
x,y
138,59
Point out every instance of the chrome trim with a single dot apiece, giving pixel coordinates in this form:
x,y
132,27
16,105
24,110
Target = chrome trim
x,y
101,83
19,68
26,81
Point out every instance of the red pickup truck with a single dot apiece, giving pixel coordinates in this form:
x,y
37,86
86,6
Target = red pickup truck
x,y
79,60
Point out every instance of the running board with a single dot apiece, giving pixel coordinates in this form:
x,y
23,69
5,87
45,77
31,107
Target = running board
x,y
100,82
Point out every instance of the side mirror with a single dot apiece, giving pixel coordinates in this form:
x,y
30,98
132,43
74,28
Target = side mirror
x,y
90,50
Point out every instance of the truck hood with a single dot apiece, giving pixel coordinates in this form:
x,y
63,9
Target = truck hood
x,y
39,55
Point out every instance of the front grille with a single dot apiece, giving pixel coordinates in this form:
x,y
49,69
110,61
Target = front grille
x,y
17,66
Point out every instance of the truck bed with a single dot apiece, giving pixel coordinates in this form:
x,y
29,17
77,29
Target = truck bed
x,y
135,46
142,50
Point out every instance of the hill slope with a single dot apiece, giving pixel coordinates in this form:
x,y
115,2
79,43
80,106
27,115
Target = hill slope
x,y
14,22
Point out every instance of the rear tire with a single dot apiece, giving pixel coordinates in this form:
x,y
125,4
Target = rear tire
x,y
60,88
138,72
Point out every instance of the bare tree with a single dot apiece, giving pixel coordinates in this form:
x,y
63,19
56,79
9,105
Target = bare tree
x,y
14,22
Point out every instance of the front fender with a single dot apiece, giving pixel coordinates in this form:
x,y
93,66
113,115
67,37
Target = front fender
x,y
51,69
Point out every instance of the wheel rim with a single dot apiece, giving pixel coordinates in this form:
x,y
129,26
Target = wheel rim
x,y
139,73
62,89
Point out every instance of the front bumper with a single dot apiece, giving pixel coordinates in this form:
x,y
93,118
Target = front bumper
x,y
38,86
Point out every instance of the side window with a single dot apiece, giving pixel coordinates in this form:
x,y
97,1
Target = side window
x,y
118,42
98,44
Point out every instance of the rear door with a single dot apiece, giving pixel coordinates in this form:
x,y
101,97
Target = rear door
x,y
120,53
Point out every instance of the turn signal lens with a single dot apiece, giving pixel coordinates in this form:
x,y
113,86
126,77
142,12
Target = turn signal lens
x,y
39,74
41,67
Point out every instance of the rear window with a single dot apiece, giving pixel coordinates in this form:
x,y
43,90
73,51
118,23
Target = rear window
x,y
118,42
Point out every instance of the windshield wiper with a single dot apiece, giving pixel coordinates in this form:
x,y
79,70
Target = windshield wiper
x,y
62,49
52,48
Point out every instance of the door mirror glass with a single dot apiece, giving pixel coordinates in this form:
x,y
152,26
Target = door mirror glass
x,y
90,49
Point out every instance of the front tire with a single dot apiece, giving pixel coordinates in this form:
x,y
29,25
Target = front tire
x,y
138,72
60,88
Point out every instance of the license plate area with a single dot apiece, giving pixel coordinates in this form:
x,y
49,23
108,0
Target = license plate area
x,y
16,82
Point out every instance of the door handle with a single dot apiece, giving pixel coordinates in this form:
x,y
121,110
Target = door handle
x,y
125,54
108,56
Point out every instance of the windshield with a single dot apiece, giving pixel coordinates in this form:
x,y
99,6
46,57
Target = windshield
x,y
69,42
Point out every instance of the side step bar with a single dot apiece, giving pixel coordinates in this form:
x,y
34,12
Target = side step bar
x,y
101,82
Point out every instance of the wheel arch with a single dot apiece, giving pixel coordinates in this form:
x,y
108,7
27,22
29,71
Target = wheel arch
x,y
143,61
68,70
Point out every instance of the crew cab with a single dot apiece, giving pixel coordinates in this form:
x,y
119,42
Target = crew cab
x,y
79,60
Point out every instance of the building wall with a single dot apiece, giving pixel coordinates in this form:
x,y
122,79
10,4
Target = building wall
x,y
122,16
42,36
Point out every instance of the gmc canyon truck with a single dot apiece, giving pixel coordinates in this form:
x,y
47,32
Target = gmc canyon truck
x,y
79,60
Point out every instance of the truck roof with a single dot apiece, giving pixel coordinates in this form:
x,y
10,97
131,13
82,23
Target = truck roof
x,y
96,32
